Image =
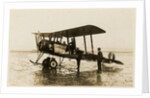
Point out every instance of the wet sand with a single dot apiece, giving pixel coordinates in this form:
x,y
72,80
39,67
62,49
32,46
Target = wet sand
x,y
21,72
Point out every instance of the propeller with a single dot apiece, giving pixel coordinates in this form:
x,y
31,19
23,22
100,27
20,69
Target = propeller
x,y
38,39
38,36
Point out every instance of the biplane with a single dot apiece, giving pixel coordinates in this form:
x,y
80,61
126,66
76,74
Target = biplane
x,y
52,43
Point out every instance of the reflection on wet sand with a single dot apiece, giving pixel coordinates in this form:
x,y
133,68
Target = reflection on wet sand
x,y
55,77
23,73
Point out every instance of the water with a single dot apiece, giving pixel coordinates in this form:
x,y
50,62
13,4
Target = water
x,y
21,72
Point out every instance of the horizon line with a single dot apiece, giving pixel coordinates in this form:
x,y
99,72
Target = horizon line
x,y
34,51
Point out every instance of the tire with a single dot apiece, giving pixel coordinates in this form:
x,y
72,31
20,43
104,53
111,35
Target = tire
x,y
53,64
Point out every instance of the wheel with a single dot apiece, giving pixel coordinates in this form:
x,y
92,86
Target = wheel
x,y
53,63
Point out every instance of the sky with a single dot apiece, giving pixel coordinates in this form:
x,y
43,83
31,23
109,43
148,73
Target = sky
x,y
119,24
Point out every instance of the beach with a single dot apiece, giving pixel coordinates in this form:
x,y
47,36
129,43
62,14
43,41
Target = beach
x,y
21,72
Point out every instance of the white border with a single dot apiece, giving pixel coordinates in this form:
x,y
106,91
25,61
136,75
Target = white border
x,y
77,90
147,2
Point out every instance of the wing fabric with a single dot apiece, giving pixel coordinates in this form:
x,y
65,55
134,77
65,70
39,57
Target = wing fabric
x,y
74,32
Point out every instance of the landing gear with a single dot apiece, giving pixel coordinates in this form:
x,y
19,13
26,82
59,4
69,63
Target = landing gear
x,y
52,63
60,61
38,58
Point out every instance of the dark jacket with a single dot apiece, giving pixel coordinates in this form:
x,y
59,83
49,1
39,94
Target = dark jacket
x,y
46,63
100,56
72,44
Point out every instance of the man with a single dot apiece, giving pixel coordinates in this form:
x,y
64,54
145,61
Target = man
x,y
72,45
46,62
99,59
79,53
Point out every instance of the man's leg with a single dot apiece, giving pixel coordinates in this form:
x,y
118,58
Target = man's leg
x,y
98,67
78,62
78,68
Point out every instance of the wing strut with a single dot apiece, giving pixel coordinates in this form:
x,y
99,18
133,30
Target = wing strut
x,y
75,42
92,43
85,44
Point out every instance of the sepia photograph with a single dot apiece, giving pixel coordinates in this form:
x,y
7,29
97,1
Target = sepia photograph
x,y
77,47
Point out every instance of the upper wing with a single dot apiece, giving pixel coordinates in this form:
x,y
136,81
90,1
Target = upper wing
x,y
74,32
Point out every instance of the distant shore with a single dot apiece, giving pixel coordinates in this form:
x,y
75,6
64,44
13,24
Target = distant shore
x,y
35,51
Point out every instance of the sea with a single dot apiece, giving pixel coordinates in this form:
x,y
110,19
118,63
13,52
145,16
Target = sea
x,y
23,73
